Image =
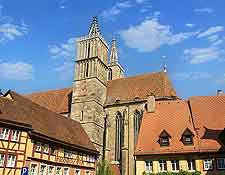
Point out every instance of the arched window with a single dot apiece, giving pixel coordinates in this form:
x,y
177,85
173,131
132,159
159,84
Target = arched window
x,y
110,74
137,124
87,69
119,136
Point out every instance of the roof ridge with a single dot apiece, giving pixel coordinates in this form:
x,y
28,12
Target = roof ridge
x,y
138,75
50,90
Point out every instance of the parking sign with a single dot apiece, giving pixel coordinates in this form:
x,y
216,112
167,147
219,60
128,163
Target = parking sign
x,y
24,171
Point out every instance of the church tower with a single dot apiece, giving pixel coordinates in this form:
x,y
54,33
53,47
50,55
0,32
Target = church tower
x,y
89,91
115,69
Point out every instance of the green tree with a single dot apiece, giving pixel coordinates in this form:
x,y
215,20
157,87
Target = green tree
x,y
104,168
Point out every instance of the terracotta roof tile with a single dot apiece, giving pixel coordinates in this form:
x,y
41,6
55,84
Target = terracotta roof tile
x,y
55,100
172,116
203,116
209,117
139,87
44,121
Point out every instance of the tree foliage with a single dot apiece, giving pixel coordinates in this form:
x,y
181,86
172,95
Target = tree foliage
x,y
104,168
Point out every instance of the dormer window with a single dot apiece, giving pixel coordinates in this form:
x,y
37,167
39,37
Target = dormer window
x,y
164,138
187,137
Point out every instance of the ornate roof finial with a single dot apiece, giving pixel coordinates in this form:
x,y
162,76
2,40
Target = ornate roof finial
x,y
113,54
164,64
94,29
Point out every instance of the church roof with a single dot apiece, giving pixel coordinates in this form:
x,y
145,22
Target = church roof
x,y
130,88
44,122
58,100
123,89
203,116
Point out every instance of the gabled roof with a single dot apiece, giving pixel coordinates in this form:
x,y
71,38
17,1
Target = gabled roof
x,y
172,116
58,100
45,122
203,116
125,89
209,118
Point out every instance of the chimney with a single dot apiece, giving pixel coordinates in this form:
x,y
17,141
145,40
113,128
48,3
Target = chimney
x,y
1,94
151,104
220,92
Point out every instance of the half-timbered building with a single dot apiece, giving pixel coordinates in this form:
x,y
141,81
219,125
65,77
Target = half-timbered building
x,y
41,140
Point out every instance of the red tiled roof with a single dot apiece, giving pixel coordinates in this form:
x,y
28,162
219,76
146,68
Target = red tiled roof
x,y
209,117
204,116
58,100
171,116
139,87
45,122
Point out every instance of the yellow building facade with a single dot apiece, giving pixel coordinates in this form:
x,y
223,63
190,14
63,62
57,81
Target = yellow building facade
x,y
21,146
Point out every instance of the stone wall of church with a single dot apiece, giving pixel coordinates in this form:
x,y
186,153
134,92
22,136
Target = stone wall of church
x,y
127,110
87,108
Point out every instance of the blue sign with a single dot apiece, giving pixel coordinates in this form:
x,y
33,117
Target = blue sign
x,y
24,171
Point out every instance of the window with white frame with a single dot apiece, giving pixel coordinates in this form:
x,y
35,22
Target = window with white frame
x,y
4,133
67,154
191,165
208,164
33,169
38,147
175,165
149,166
46,148
2,160
15,135
11,160
58,170
50,170
65,171
220,163
162,166
42,169
77,172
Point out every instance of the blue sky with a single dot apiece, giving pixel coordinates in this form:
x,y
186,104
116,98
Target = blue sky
x,y
37,48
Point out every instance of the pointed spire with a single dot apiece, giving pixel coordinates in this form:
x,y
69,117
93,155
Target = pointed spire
x,y
164,64
113,54
94,29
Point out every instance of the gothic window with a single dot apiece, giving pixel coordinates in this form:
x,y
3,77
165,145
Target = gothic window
x,y
89,48
110,74
119,136
137,124
87,69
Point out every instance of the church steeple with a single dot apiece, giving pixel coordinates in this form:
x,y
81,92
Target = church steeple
x,y
113,54
115,69
94,28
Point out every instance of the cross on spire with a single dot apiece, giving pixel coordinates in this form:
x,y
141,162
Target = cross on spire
x,y
94,29
113,53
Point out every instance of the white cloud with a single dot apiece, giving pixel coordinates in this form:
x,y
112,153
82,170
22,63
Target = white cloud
x,y
140,1
202,55
204,10
192,75
65,70
190,25
64,50
213,38
211,31
115,10
150,35
218,42
16,71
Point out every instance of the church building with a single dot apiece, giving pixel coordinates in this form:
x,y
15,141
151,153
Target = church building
x,y
107,104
